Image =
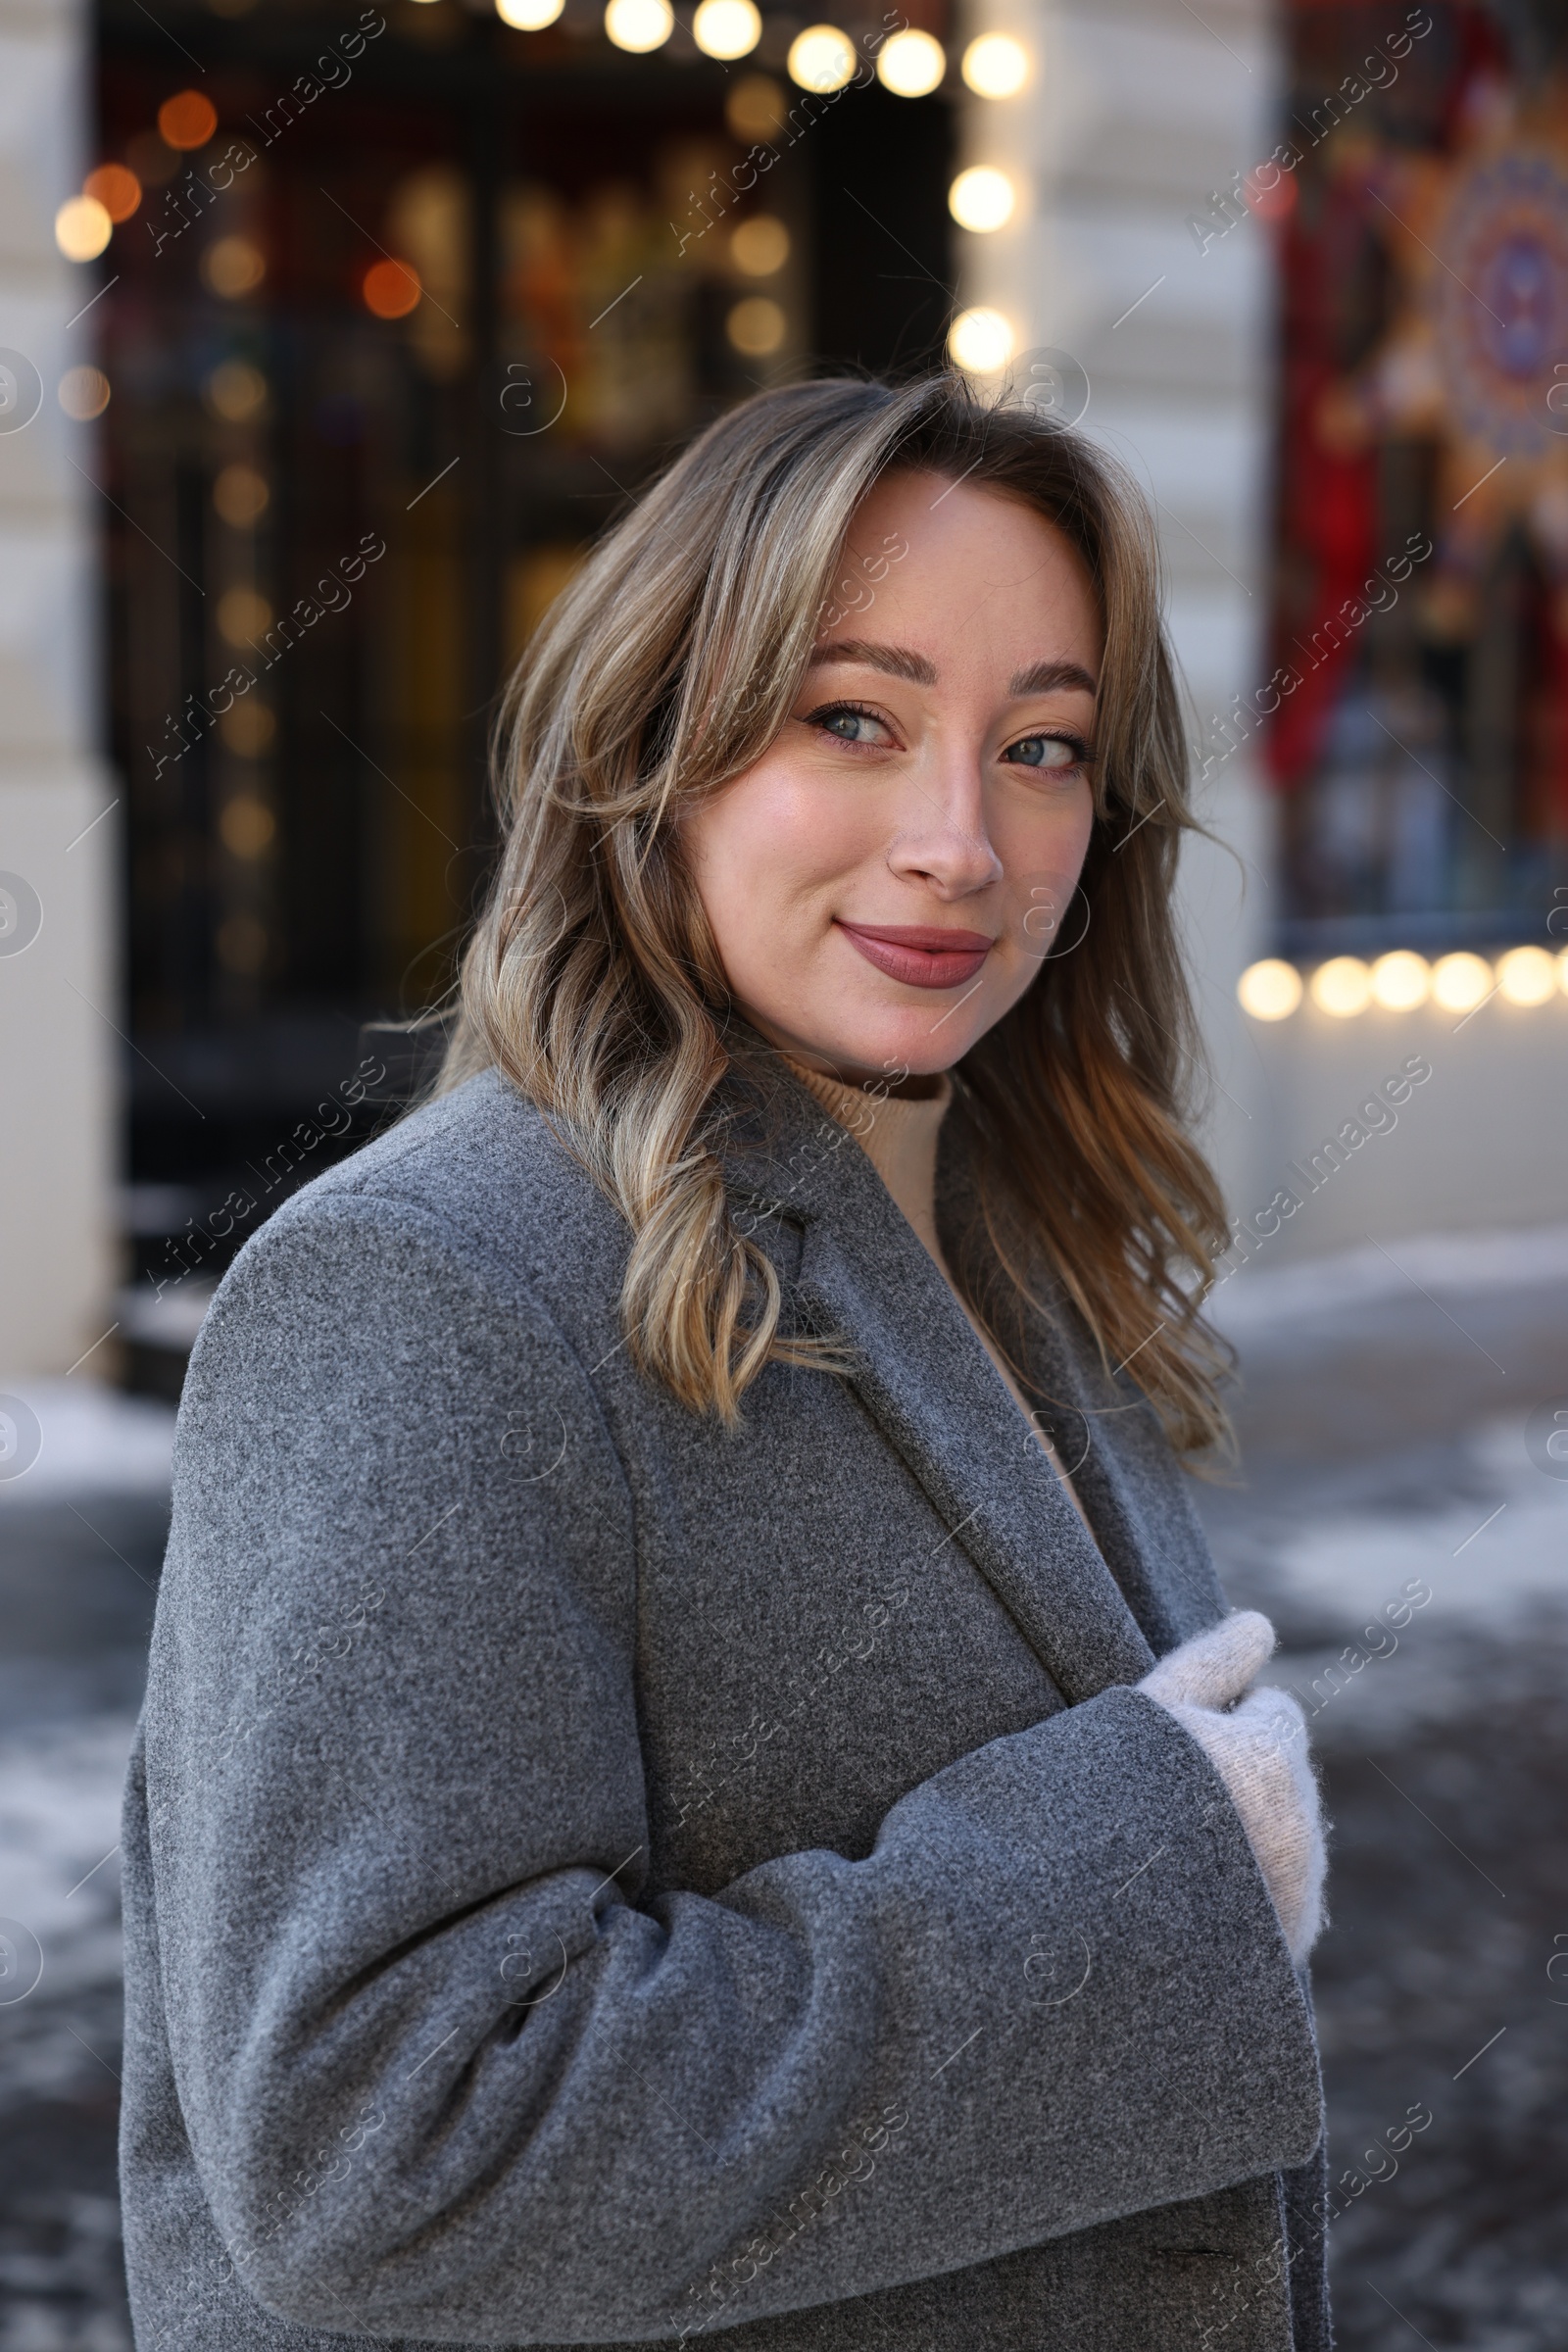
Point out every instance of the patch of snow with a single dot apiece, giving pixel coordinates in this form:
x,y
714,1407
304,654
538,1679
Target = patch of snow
x,y
89,1438
1488,1561
60,1793
1257,1298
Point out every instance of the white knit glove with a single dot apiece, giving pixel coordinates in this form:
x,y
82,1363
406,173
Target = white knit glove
x,y
1259,1751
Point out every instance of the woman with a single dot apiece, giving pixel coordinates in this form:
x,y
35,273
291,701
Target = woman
x,y
657,1812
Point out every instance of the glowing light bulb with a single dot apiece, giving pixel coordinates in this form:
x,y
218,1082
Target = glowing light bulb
x,y
240,496
1271,991
757,327
83,392
243,615
759,246
1459,982
912,64
117,189
233,267
996,65
1400,980
982,199
1342,986
821,58
757,107
1525,976
529,16
83,228
391,289
982,341
639,24
235,390
187,119
726,28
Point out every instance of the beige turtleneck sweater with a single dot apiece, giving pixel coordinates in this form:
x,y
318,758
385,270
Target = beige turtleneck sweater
x,y
899,1135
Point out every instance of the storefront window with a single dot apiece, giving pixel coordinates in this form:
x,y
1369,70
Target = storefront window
x,y
402,305
1420,206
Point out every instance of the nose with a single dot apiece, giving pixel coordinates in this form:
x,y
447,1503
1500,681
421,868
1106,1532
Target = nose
x,y
943,841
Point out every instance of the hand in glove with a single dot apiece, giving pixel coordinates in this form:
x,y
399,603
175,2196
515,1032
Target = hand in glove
x,y
1258,1748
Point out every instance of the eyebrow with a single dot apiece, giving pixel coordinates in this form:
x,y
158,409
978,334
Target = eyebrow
x,y
898,662
1049,677
895,660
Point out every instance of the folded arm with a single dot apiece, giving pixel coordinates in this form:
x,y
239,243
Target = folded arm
x,y
449,2068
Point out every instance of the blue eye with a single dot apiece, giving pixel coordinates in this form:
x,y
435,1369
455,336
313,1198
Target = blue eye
x,y
1055,753
849,723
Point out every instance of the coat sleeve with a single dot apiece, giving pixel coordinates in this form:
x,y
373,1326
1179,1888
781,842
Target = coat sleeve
x,y
447,2069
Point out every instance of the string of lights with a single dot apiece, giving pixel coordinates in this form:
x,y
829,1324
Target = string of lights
x,y
1344,986
822,60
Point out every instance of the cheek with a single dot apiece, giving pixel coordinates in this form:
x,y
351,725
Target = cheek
x,y
1042,849
767,841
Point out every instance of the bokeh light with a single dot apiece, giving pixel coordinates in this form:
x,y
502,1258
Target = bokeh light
x,y
116,188
1459,982
639,24
247,727
1341,986
821,58
982,341
247,826
233,267
1525,976
241,496
187,119
757,107
726,27
996,65
529,16
83,392
912,64
243,614
83,228
982,198
1269,990
1400,980
759,246
391,289
235,390
757,327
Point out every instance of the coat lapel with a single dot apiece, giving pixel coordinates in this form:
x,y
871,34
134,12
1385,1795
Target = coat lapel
x,y
1105,1433
1130,1484
931,1389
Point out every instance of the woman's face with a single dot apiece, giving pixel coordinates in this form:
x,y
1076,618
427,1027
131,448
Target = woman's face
x,y
886,881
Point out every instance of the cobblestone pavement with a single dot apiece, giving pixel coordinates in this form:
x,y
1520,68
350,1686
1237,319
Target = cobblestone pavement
x,y
1387,1444
77,1579
1387,1450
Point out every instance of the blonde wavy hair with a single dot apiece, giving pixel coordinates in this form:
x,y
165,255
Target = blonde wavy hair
x,y
667,667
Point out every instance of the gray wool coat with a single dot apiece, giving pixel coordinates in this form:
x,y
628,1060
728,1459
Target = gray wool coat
x,y
592,1877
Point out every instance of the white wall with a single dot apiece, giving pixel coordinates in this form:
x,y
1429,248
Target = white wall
x,y
1137,110
1482,1142
58,1069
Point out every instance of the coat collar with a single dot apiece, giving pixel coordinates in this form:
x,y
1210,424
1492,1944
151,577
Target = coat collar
x,y
928,1384
1107,1432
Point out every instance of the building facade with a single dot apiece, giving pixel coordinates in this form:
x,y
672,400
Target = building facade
x,y
382,311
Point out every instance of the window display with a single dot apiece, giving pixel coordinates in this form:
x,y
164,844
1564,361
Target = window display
x,y
1421,619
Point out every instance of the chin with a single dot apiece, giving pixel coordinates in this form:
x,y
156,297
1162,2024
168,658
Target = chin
x,y
890,1038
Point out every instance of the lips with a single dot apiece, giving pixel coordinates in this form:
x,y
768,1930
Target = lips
x,y
921,954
